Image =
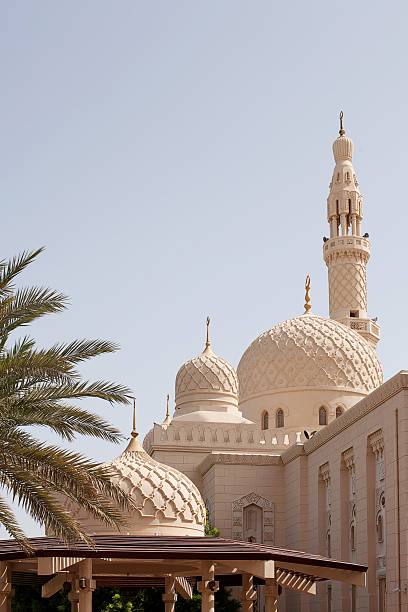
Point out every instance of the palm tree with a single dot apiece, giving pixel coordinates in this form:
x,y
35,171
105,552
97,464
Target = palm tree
x,y
39,387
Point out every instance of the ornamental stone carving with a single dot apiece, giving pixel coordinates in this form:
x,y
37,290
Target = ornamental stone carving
x,y
309,351
164,501
206,372
267,528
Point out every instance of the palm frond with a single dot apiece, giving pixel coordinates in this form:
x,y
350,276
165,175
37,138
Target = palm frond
x,y
9,522
10,269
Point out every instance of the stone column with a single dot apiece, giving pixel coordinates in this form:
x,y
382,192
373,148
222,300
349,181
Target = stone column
x,y
169,596
248,593
86,585
6,592
271,595
207,587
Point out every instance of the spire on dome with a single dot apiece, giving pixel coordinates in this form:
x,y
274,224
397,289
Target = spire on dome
x,y
167,420
134,444
207,349
307,296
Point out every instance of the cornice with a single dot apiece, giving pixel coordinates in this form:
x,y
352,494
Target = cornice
x,y
295,451
391,387
237,459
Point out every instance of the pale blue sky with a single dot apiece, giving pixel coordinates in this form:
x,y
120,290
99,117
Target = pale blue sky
x,y
174,158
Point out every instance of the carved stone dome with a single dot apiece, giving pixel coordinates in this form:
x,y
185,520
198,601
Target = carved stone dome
x,y
165,501
309,351
207,372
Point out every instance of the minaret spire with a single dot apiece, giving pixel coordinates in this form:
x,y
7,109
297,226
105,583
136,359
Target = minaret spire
x,y
347,252
341,130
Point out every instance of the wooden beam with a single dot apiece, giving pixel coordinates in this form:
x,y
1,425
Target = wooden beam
x,y
53,565
54,585
327,573
261,569
183,587
296,582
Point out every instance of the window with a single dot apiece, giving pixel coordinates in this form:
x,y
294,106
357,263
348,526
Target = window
x,y
339,411
380,529
353,537
265,420
322,416
280,418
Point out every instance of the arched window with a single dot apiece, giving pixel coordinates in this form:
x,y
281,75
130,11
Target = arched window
x,y
353,536
265,420
380,528
280,418
322,416
339,411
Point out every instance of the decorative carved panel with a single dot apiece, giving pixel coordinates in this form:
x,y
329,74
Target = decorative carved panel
x,y
267,528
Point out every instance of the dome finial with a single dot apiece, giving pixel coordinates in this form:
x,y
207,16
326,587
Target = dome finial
x,y
208,343
307,296
134,433
342,131
167,420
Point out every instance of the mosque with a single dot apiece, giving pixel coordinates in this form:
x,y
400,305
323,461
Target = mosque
x,y
304,446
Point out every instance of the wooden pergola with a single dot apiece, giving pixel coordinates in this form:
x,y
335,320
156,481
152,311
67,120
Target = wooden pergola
x,y
175,563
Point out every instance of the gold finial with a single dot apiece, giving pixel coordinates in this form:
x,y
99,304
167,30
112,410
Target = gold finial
x,y
207,344
134,433
307,296
341,130
167,420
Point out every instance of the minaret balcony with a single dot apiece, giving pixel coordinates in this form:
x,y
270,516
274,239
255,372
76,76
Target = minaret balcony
x,y
367,328
342,244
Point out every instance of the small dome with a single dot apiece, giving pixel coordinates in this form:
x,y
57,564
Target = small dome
x,y
207,372
309,351
165,501
343,149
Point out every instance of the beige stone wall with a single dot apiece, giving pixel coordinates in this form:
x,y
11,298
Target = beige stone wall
x,y
372,424
225,483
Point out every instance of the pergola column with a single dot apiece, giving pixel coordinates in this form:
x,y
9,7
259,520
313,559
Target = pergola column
x,y
248,593
73,597
271,595
207,587
86,586
6,592
169,596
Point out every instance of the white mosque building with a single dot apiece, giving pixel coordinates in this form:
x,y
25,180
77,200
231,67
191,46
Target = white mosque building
x,y
304,446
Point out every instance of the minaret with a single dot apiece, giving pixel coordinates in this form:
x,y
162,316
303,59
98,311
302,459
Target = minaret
x,y
347,252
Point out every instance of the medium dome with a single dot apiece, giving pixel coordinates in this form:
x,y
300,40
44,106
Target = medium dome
x,y
207,372
165,501
309,351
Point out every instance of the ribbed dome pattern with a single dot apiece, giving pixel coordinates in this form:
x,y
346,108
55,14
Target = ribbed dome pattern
x,y
206,372
309,351
343,148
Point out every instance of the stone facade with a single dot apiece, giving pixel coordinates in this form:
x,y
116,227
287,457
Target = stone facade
x,y
306,448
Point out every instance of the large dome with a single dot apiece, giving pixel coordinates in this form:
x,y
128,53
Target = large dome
x,y
165,501
309,351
